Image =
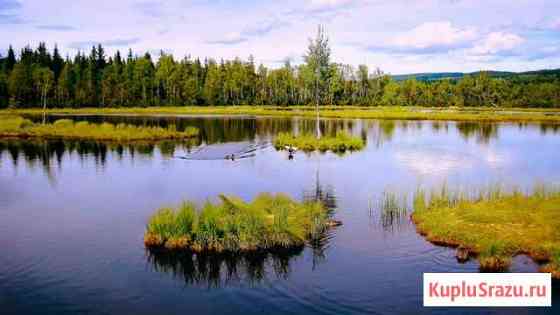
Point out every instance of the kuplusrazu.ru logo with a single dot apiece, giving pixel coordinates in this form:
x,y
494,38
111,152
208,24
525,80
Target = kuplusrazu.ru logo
x,y
487,289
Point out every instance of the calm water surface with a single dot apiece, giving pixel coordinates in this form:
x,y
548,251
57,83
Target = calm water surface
x,y
74,212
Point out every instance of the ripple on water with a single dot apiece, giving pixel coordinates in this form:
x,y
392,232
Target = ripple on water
x,y
292,297
239,150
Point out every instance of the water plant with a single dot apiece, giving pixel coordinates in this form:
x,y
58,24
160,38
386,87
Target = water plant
x,y
494,224
16,126
308,142
232,225
393,210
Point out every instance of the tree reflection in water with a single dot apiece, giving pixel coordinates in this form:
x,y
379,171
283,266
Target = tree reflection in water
x,y
215,270
35,151
483,132
326,195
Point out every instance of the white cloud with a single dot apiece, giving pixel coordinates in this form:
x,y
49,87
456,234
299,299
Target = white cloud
x,y
231,38
324,10
497,42
329,4
435,34
260,28
555,25
440,35
429,38
433,161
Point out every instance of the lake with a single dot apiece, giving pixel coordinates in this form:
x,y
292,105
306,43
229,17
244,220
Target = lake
x,y
74,215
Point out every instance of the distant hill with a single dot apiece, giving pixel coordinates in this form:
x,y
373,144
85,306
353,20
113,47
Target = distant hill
x,y
429,76
457,75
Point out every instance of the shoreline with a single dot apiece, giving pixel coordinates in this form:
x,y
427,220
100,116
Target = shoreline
x,y
474,114
18,127
518,224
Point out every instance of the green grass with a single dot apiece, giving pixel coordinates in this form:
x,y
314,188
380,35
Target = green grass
x,y
307,142
393,210
232,225
494,224
373,112
16,126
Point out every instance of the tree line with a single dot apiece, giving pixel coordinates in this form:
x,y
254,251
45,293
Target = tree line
x,y
39,77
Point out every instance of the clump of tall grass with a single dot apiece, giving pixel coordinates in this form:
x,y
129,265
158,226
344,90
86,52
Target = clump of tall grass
x,y
393,210
494,257
15,126
269,221
307,142
494,224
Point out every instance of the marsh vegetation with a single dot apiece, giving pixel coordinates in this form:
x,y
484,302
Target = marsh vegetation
x,y
468,114
393,210
307,142
269,222
493,224
17,126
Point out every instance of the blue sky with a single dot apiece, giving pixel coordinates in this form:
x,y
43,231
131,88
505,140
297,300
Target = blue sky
x,y
398,36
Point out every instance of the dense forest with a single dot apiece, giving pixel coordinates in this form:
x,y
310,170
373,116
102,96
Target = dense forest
x,y
37,77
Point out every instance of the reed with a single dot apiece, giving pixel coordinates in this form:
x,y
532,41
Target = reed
x,y
232,225
494,224
342,142
16,126
393,210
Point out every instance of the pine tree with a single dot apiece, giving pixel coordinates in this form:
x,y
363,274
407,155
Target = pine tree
x,y
211,84
3,90
20,85
57,63
65,85
42,56
10,60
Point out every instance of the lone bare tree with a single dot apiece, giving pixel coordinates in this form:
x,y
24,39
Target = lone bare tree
x,y
43,79
318,60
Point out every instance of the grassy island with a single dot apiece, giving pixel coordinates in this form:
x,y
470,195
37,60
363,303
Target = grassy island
x,y
15,126
307,142
494,226
268,222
